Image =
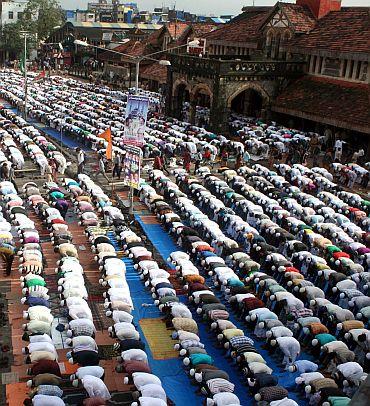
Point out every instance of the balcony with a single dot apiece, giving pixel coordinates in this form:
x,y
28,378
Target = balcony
x,y
235,69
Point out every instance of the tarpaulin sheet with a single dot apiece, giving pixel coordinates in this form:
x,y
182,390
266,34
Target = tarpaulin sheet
x,y
165,245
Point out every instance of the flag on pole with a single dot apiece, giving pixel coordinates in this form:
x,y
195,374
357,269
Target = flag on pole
x,y
40,76
107,135
22,65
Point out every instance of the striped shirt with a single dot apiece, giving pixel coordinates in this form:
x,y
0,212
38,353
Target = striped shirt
x,y
218,385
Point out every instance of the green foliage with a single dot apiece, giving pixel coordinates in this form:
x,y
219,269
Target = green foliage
x,y
50,15
10,38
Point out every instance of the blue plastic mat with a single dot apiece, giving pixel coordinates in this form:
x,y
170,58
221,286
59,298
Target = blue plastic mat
x,y
67,140
174,379
165,245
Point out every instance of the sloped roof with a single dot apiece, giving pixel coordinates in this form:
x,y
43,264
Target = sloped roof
x,y
300,17
347,30
176,29
115,26
335,102
240,30
197,30
154,71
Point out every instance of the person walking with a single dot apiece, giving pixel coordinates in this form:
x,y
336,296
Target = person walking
x,y
117,162
101,168
7,252
187,160
80,160
12,177
48,173
4,171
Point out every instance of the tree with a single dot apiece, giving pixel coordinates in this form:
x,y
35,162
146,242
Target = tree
x,y
10,38
41,16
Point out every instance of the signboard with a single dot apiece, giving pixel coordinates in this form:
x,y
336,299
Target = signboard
x,y
131,167
107,36
198,49
135,121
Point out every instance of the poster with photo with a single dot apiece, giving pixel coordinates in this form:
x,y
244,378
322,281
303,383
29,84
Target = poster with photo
x,y
135,120
131,167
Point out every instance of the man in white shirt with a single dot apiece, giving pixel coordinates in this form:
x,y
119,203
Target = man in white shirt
x,y
80,160
94,386
338,147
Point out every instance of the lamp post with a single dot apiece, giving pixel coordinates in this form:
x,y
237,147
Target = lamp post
x,y
137,61
25,34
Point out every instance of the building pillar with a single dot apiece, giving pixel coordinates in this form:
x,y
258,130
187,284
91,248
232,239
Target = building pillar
x,y
349,63
192,111
341,70
312,58
354,71
318,63
169,91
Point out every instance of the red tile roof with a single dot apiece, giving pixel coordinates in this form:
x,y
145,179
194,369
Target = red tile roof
x,y
331,101
176,29
300,17
196,30
154,71
347,30
241,30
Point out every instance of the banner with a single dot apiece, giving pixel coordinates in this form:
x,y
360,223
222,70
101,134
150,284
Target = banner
x,y
197,49
107,135
40,76
135,121
131,167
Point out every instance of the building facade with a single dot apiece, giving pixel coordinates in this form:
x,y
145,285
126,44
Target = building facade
x,y
12,11
306,62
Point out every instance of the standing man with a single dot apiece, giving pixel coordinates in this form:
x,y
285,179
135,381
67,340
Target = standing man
x,y
12,176
338,148
101,168
80,160
117,162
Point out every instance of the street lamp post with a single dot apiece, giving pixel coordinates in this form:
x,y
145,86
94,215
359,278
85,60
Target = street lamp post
x,y
137,61
25,35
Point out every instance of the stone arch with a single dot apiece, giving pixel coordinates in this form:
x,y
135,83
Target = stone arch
x,y
200,95
249,99
201,87
250,85
178,83
180,94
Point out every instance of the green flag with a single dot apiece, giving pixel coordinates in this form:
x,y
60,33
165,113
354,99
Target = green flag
x,y
22,63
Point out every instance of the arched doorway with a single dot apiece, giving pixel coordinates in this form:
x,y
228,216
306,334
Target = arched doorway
x,y
248,103
181,100
200,107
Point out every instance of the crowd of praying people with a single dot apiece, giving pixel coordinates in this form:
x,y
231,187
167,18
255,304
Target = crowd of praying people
x,y
274,253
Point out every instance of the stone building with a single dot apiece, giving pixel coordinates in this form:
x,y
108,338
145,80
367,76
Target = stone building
x,y
306,63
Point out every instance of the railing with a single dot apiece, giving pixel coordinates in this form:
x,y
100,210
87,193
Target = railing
x,y
206,67
265,68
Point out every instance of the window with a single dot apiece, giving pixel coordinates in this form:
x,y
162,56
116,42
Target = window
x,y
351,69
358,70
19,15
10,15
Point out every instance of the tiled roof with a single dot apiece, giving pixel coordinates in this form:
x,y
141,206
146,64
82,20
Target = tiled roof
x,y
244,30
331,101
115,26
176,29
196,30
154,71
347,30
300,17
